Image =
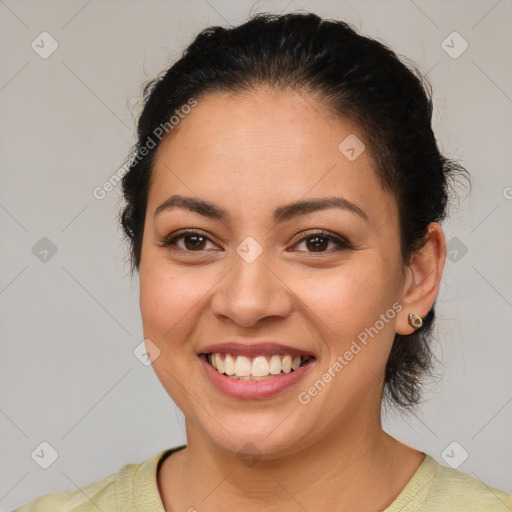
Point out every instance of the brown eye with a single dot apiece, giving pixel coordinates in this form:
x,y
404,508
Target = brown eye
x,y
193,241
318,242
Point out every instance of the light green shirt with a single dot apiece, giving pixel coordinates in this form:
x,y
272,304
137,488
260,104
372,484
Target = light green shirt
x,y
432,488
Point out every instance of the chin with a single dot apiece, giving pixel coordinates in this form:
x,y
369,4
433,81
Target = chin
x,y
267,434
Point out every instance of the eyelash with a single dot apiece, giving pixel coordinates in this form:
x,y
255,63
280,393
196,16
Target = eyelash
x,y
342,244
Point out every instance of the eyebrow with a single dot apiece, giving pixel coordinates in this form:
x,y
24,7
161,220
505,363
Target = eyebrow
x,y
280,214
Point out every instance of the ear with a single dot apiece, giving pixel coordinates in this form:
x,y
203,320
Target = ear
x,y
423,278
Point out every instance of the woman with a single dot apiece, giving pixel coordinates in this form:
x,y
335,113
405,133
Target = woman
x,y
283,205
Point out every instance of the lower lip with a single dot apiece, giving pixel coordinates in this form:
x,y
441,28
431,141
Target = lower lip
x,y
253,389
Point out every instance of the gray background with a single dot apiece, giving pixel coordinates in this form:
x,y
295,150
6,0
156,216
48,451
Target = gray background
x,y
69,325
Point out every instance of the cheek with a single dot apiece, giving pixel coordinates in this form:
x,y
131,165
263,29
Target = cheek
x,y
346,308
168,302
349,298
167,298
353,313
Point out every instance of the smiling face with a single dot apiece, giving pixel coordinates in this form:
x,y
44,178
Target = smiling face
x,y
255,271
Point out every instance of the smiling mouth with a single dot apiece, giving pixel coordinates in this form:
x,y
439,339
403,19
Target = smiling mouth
x,y
239,367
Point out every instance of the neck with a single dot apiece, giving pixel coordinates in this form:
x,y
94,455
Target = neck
x,y
354,468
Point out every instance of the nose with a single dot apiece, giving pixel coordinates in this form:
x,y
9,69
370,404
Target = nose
x,y
251,292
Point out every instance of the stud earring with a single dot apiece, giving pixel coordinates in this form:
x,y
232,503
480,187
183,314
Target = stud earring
x,y
415,320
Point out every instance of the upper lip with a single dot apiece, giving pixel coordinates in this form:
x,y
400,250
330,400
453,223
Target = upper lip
x,y
243,348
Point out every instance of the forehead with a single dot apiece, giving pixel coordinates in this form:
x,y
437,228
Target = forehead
x,y
266,144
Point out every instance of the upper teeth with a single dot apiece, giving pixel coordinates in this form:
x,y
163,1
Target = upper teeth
x,y
260,366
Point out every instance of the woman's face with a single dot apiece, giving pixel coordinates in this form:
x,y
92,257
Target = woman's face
x,y
265,274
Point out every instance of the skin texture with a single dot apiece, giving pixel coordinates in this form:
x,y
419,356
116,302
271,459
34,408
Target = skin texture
x,y
250,153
